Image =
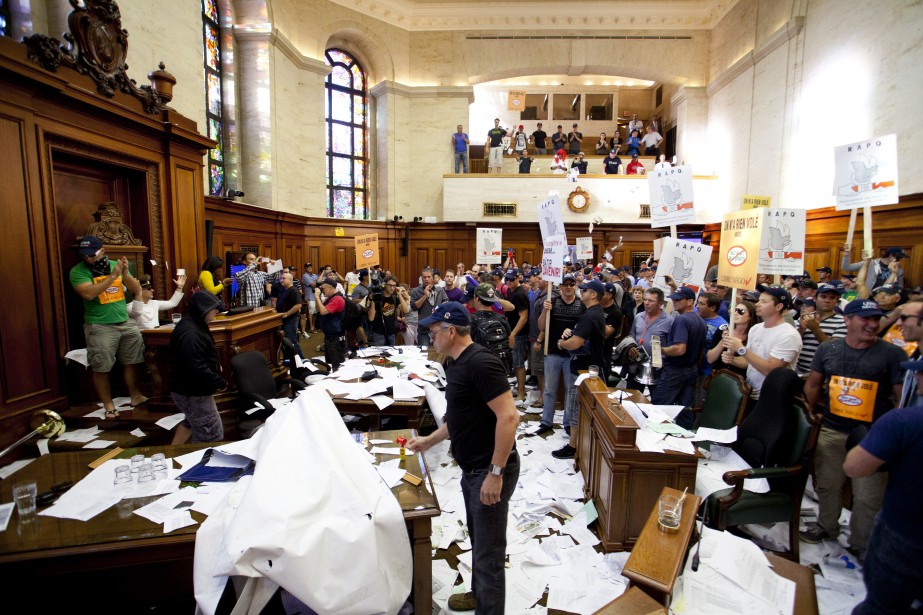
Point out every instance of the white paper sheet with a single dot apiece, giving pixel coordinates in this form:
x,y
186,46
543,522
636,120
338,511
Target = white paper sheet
x,y
169,422
723,436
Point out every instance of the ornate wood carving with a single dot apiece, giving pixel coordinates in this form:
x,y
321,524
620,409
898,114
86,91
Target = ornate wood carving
x,y
109,227
97,47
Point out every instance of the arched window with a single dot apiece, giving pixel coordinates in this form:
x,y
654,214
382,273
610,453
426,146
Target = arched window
x,y
347,137
211,37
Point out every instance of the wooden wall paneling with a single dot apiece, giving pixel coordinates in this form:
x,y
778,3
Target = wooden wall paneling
x,y
26,378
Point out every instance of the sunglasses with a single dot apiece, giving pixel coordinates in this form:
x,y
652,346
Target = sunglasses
x,y
569,284
740,310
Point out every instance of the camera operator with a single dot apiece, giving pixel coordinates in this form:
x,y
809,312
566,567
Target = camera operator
x,y
383,310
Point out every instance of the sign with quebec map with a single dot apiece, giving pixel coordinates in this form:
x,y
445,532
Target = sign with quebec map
x,y
550,220
671,196
866,173
585,248
488,245
782,241
684,261
738,254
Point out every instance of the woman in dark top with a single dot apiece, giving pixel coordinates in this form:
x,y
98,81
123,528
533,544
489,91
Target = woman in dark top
x,y
742,320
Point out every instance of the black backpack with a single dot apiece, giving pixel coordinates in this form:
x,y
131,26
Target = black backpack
x,y
352,317
492,331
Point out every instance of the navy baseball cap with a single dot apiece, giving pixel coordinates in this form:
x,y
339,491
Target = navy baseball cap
x,y
568,277
888,289
512,274
896,253
613,151
610,288
89,245
825,269
829,288
596,286
778,292
865,308
365,272
450,313
848,276
807,283
683,292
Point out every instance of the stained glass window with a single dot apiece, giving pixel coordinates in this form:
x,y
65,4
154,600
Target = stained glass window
x,y
211,40
347,137
5,21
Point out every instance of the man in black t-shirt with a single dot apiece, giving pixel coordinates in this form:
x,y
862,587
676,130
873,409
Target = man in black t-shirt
x,y
862,377
574,140
613,327
559,140
525,163
495,143
481,420
288,303
612,162
518,318
384,310
538,140
586,345
564,309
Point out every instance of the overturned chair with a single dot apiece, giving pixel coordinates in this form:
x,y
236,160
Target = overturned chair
x,y
256,386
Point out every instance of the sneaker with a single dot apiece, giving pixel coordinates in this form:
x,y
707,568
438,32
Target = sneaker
x,y
542,430
814,535
305,335
519,402
462,602
565,452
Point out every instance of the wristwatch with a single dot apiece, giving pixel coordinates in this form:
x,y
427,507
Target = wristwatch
x,y
496,470
742,350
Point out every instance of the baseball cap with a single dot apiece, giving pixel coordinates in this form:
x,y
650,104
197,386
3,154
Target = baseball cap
x,y
683,292
329,282
825,269
512,274
568,277
829,288
864,308
450,312
778,292
613,151
308,265
610,288
89,245
888,289
634,155
809,303
807,283
848,276
596,286
145,281
363,273
485,291
752,296
895,252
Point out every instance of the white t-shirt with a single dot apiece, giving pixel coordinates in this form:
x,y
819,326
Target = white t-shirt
x,y
651,139
781,342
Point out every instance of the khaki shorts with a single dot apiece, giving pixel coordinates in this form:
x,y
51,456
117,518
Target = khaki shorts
x,y
106,343
496,158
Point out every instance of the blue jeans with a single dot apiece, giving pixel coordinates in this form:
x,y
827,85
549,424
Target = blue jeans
x,y
893,572
382,339
461,159
676,386
487,528
557,366
290,329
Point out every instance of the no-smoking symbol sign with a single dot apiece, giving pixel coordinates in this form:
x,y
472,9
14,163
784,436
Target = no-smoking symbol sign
x,y
737,256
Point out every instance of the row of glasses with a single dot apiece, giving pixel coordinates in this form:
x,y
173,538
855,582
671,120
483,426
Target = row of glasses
x,y
142,470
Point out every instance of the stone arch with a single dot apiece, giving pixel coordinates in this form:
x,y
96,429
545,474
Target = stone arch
x,y
631,72
368,48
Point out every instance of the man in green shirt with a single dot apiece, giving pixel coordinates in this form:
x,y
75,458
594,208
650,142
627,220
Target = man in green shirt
x,y
109,333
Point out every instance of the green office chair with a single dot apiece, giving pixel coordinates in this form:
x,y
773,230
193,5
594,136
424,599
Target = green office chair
x,y
786,456
726,395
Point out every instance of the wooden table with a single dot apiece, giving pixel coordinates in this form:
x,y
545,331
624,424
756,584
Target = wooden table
x,y
633,602
658,557
623,481
121,562
411,410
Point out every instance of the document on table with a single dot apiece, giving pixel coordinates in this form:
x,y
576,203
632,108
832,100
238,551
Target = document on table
x,y
708,477
381,450
82,507
99,444
403,389
669,411
8,470
721,436
382,401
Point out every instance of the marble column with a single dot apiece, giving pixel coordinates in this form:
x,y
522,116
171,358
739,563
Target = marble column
x,y
689,107
412,145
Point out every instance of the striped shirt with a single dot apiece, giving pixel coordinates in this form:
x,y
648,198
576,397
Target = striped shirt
x,y
832,326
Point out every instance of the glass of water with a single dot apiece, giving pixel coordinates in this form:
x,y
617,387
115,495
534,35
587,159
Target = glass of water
x,y
176,318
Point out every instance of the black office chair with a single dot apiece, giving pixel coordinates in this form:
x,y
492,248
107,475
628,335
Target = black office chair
x,y
777,439
256,386
726,395
287,348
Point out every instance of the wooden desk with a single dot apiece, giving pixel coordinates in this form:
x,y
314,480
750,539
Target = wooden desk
x,y
658,557
633,602
805,590
411,410
259,330
623,481
121,562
